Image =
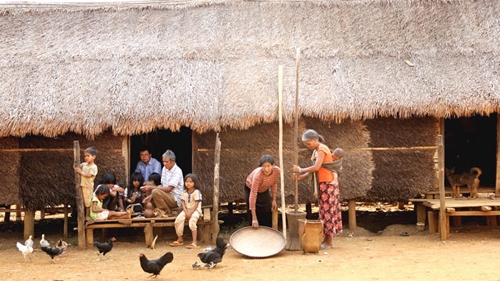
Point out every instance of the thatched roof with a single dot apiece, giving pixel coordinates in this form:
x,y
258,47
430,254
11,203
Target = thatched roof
x,y
211,65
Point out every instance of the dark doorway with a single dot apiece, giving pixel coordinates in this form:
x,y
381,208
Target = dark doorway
x,y
472,142
161,140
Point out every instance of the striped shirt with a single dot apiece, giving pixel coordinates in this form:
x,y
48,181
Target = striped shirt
x,y
258,182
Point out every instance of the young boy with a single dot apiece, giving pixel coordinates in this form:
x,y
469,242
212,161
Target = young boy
x,y
153,181
88,171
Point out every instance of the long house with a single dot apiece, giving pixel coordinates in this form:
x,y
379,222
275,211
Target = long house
x,y
381,79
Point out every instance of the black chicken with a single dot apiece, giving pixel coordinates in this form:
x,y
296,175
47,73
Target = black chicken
x,y
59,249
155,266
214,256
105,247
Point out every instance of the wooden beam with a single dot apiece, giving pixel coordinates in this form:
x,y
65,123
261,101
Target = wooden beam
x,y
394,148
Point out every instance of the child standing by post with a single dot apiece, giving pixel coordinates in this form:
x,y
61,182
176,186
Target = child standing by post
x,y
191,210
98,213
87,171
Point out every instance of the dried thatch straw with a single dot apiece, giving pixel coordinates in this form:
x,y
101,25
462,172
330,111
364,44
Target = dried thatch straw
x,y
213,65
403,173
241,151
42,171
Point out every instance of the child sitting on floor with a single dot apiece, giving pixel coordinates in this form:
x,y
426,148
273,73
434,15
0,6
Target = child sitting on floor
x,y
96,210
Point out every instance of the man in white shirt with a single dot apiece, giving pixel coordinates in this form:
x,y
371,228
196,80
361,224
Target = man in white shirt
x,y
168,194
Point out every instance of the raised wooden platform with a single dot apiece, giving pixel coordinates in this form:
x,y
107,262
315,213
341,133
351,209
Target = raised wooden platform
x,y
204,227
456,207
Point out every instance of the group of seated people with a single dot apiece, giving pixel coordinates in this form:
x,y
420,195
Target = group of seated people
x,y
154,192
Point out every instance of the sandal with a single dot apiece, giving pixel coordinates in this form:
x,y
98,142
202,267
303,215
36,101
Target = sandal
x,y
176,244
192,246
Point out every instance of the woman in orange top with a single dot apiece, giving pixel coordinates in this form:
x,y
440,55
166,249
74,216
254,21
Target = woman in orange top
x,y
330,211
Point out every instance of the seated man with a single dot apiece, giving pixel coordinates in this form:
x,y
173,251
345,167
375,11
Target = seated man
x,y
147,165
168,194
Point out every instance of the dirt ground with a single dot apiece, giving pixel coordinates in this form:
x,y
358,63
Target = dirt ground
x,y
470,254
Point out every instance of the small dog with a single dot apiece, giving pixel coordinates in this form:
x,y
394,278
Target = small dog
x,y
471,179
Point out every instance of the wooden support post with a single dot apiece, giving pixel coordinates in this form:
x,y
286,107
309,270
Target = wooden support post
x,y
90,238
215,212
230,209
203,234
433,228
29,223
206,214
6,219
42,213
457,221
443,222
79,198
18,212
497,181
352,214
65,230
421,212
491,220
275,219
148,235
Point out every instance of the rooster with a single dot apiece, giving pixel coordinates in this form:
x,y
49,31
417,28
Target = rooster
x,y
155,266
58,250
214,256
105,247
26,250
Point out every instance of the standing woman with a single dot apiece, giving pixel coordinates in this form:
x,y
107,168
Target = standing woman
x,y
329,195
260,202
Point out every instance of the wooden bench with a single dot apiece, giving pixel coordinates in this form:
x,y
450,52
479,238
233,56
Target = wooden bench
x,y
448,192
204,226
456,208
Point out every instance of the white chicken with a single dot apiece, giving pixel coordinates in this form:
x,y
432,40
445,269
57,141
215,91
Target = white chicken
x,y
25,250
43,242
29,242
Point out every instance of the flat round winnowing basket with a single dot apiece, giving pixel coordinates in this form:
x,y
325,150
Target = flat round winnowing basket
x,y
259,242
